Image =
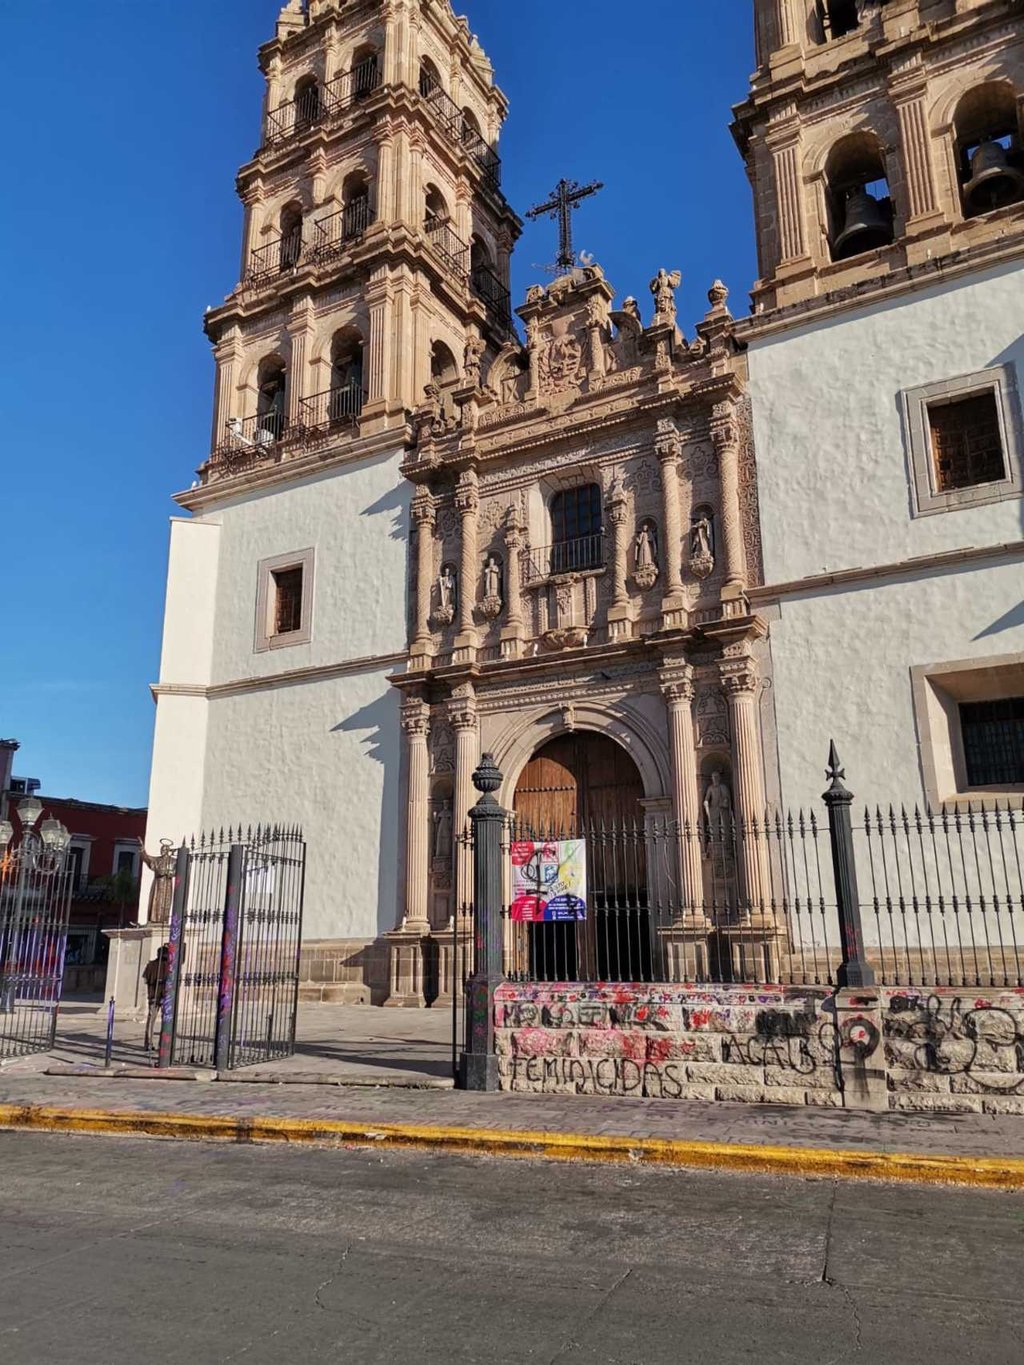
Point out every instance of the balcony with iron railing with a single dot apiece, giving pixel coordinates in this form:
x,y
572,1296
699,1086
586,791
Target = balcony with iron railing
x,y
336,407
457,128
585,554
318,105
252,437
488,287
448,245
334,233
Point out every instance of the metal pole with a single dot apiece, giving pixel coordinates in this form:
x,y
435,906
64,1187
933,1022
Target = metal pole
x,y
854,970
169,1004
108,1052
478,1068
228,959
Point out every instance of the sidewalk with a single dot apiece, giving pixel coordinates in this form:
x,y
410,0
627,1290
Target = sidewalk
x,y
371,1064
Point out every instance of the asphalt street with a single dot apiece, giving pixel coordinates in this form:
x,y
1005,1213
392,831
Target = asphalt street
x,y
123,1250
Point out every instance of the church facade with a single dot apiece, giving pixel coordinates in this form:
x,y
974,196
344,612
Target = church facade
x,y
620,554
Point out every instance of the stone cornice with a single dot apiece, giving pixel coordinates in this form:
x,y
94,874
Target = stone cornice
x,y
901,568
207,496
288,678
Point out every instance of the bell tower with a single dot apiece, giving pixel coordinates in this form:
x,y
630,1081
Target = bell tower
x,y
376,238
881,138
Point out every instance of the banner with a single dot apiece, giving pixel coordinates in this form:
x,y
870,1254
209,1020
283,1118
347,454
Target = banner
x,y
549,880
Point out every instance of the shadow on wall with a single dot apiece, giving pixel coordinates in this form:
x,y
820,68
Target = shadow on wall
x,y
396,502
377,726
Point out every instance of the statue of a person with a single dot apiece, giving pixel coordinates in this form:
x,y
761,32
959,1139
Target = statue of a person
x,y
663,287
632,308
646,550
492,577
446,587
700,538
161,893
717,803
472,358
443,830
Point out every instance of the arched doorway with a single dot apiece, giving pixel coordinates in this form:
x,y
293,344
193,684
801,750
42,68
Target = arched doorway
x,y
585,785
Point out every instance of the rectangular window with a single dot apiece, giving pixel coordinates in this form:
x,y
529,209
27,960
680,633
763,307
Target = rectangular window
x,y
576,530
963,439
284,600
125,861
993,740
967,446
287,600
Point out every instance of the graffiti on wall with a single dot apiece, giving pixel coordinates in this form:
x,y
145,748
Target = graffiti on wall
x,y
950,1038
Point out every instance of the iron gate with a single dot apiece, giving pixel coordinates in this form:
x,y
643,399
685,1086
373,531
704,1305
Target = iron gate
x,y
232,986
35,905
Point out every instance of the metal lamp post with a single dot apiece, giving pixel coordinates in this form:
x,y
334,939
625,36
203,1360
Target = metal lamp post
x,y
32,872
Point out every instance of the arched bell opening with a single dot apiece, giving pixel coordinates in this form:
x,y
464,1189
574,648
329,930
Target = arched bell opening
x,y
585,786
860,208
989,149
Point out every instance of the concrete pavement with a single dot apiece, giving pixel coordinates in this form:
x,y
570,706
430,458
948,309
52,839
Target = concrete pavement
x,y
114,1251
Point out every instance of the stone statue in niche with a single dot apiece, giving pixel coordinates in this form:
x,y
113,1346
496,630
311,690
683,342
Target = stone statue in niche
x,y
717,804
443,830
446,594
490,606
663,287
645,547
702,543
472,359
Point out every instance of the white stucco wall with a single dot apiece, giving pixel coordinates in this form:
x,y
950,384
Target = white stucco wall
x,y
835,493
834,483
323,750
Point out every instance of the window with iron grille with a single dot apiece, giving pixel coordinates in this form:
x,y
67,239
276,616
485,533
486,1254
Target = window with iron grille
x,y
993,740
287,600
576,530
966,443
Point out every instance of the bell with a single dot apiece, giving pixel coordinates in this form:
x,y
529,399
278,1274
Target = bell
x,y
867,226
994,182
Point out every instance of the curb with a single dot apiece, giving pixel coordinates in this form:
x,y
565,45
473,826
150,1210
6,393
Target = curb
x,y
854,1163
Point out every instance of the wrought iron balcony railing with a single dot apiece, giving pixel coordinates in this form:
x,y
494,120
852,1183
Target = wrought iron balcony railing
x,y
275,257
448,246
339,406
333,233
459,130
486,285
316,105
568,556
256,435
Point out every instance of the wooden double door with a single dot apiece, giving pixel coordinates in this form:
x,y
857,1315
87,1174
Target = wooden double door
x,y
585,785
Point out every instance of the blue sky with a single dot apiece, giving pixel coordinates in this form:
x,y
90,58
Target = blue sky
x,y
123,224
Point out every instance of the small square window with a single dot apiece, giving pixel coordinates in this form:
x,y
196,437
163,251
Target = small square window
x,y
966,442
993,740
284,600
963,440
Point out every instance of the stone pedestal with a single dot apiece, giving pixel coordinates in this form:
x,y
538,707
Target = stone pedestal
x,y
754,948
406,968
859,1036
451,967
686,949
130,951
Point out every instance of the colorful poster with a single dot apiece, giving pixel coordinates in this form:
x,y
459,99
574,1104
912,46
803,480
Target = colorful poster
x,y
549,880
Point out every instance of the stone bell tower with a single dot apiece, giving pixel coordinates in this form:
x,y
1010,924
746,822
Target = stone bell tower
x,y
884,142
375,257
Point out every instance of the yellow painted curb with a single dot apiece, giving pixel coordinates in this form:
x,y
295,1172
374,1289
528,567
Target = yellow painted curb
x,y
853,1163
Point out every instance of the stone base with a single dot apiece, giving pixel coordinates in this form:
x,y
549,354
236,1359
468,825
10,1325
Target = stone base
x,y
754,949
344,971
130,951
686,950
407,968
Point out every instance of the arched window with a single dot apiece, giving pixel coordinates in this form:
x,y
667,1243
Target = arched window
x,y
346,394
576,529
270,401
355,198
989,148
430,80
838,17
364,73
444,373
307,103
291,236
860,211
472,137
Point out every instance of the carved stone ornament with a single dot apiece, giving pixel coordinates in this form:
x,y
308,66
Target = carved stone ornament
x,y
472,360
565,637
645,572
663,287
444,613
560,363
702,555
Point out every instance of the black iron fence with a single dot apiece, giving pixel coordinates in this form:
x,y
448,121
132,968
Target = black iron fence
x,y
231,993
35,904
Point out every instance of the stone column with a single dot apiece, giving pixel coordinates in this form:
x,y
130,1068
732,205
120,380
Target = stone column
x,y
726,439
686,942
252,197
228,355
669,447
784,143
755,939
378,347
423,518
617,514
467,504
512,632
383,192
301,333
463,720
405,944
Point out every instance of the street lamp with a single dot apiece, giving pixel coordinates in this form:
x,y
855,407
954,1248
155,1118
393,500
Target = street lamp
x,y
32,872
